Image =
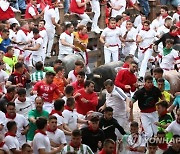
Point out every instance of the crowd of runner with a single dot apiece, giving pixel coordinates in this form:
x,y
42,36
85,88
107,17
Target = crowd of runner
x,y
44,112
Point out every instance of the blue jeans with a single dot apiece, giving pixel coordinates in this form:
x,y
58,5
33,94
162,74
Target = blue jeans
x,y
145,5
66,6
175,2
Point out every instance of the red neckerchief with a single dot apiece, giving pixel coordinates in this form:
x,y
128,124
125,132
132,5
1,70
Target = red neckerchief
x,y
75,73
8,55
118,25
51,6
9,117
2,144
125,65
102,151
40,131
91,129
163,146
68,108
8,97
67,33
39,36
10,134
43,28
178,12
163,114
110,27
164,16
83,36
50,130
25,31
75,147
127,18
55,111
145,29
174,34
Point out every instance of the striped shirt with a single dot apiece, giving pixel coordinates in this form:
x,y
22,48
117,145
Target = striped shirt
x,y
37,76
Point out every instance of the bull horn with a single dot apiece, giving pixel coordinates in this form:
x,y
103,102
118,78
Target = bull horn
x,y
96,76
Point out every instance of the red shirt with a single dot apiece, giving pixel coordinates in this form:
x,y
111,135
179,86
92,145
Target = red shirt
x,y
46,91
82,107
27,14
77,85
75,8
125,77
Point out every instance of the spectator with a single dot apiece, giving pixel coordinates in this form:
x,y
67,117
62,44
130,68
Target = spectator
x,y
4,40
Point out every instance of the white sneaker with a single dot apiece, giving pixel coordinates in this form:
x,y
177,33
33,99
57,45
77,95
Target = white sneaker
x,y
96,30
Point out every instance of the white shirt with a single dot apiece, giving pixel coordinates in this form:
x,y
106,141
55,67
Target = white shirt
x,y
43,34
3,77
40,51
60,119
137,21
21,123
147,37
155,24
31,11
162,30
174,127
12,34
116,3
21,37
23,108
111,35
48,15
69,39
57,137
72,76
162,20
70,118
41,141
12,142
176,17
116,100
2,122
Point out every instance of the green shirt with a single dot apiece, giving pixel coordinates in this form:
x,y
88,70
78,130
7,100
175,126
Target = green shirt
x,y
32,126
10,61
163,120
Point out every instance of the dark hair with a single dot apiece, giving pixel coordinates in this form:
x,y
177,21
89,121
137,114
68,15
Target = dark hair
x,y
50,73
41,122
76,133
108,109
18,65
58,61
128,57
79,63
107,142
160,132
108,82
87,83
133,62
94,118
58,68
39,65
81,73
10,125
147,22
161,80
68,25
158,14
11,88
167,18
25,145
59,104
70,101
21,91
163,104
118,17
152,142
134,124
52,117
171,41
164,7
148,77
80,27
172,28
9,48
158,70
112,19
5,31
13,25
11,104
43,21
69,89
35,31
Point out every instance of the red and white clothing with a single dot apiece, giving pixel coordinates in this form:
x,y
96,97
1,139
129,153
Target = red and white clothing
x,y
83,108
41,141
80,11
155,24
162,30
168,61
65,50
31,11
112,38
49,14
145,49
11,141
56,136
4,147
72,75
117,3
59,116
176,17
130,47
162,19
21,122
46,91
3,78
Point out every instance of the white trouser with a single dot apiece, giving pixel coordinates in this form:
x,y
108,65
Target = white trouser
x,y
85,19
34,59
96,9
148,120
129,50
143,60
48,107
114,51
50,34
